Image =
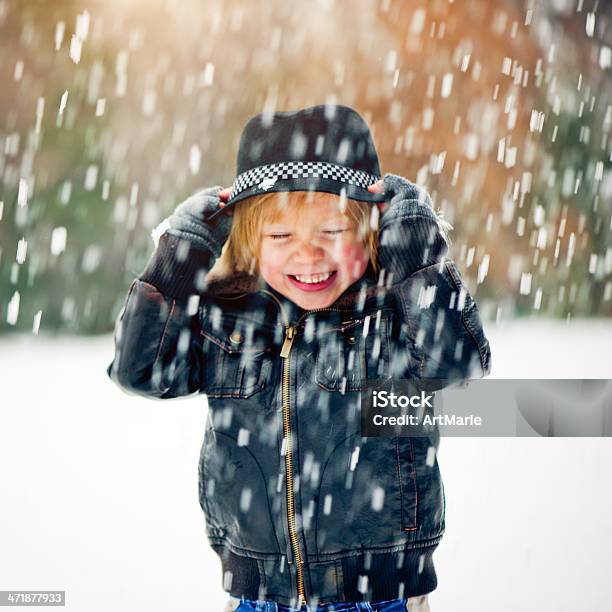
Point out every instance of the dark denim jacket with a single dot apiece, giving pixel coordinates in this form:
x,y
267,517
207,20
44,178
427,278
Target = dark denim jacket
x,y
298,505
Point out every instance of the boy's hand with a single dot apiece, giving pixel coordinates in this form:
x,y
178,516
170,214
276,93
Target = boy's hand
x,y
191,219
224,195
378,187
412,235
397,188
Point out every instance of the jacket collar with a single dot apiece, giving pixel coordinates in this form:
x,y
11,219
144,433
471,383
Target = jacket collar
x,y
243,284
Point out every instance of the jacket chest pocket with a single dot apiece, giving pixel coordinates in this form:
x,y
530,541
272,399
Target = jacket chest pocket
x,y
358,351
237,357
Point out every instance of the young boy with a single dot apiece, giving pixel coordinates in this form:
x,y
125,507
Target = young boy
x,y
310,297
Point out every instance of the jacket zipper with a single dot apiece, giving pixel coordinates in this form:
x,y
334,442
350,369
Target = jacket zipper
x,y
285,351
290,331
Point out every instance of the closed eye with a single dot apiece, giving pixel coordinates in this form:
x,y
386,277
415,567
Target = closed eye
x,y
284,235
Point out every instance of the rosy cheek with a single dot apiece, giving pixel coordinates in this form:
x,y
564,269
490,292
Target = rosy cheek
x,y
355,258
264,258
267,268
356,251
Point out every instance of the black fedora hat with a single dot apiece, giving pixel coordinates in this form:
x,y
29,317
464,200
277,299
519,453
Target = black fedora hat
x,y
321,148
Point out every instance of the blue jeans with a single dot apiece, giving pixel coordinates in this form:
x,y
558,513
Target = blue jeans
x,y
392,605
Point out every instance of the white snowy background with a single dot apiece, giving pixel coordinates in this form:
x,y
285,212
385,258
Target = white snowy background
x,y
98,489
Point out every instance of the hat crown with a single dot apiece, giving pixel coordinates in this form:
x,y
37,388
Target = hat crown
x,y
325,148
325,133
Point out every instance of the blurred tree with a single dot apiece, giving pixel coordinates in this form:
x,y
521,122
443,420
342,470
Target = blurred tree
x,y
116,111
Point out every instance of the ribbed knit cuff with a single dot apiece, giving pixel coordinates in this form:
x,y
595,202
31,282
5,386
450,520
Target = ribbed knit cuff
x,y
177,267
412,568
410,240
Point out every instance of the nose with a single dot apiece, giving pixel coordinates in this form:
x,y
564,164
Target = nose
x,y
307,252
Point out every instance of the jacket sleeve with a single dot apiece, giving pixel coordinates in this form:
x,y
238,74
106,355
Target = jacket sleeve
x,y
158,345
441,324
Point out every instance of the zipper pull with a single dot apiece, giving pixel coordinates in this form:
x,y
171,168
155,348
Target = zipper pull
x,y
289,334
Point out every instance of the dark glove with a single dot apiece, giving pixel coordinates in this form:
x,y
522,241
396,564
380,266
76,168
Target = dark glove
x,y
404,198
177,271
411,236
190,221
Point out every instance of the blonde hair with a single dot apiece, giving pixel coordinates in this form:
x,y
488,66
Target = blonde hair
x,y
241,251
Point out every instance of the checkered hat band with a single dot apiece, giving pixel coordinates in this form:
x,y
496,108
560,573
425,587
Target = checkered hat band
x,y
265,176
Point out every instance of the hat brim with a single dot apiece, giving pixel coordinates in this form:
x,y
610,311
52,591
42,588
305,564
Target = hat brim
x,y
353,192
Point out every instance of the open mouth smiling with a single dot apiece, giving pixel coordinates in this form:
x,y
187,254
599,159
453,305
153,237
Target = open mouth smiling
x,y
313,282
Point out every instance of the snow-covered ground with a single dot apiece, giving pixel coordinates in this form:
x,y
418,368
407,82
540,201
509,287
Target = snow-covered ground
x,y
98,489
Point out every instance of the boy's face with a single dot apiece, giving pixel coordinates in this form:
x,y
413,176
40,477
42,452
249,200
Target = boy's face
x,y
312,256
